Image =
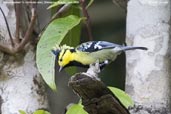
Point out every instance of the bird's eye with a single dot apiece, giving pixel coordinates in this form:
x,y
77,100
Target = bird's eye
x,y
60,59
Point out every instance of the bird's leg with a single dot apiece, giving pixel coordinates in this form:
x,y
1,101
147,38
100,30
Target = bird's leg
x,y
103,64
93,70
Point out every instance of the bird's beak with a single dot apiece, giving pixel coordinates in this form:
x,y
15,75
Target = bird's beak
x,y
60,69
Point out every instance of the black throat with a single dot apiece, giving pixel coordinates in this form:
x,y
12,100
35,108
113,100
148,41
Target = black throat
x,y
75,63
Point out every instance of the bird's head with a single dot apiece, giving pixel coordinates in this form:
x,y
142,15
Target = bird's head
x,y
63,55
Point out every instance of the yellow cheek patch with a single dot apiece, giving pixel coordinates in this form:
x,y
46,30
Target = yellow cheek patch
x,y
65,57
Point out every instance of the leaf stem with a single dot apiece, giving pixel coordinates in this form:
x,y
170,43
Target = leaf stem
x,y
9,32
63,9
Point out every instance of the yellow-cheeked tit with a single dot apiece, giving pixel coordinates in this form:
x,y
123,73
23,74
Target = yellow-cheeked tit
x,y
88,53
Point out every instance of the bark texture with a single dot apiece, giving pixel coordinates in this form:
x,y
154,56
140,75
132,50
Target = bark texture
x,y
21,86
148,72
95,96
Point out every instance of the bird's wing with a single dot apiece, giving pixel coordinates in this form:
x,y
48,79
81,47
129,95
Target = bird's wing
x,y
93,46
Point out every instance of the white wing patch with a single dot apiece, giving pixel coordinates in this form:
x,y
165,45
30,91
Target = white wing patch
x,y
93,46
98,46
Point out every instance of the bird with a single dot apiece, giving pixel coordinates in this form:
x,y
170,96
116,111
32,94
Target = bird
x,y
89,53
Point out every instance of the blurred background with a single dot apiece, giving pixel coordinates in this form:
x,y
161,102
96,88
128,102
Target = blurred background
x,y
108,24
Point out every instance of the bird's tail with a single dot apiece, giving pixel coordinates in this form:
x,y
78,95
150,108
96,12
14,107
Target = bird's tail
x,y
125,48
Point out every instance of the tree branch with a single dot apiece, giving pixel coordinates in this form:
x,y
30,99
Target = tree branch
x,y
28,32
17,15
7,49
96,97
9,32
12,50
85,13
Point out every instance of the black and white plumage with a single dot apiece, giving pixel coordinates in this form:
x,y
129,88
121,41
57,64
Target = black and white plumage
x,y
93,46
90,52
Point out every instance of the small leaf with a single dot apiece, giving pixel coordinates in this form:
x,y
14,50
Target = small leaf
x,y
54,34
124,98
41,112
62,2
76,109
22,112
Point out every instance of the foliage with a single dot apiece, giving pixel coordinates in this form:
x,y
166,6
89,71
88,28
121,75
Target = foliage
x,y
76,109
54,34
64,30
124,98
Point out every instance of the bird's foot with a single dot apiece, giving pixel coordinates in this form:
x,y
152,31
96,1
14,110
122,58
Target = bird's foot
x,y
103,64
93,70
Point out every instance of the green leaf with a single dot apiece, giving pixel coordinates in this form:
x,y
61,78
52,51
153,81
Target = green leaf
x,y
41,112
22,112
76,109
124,98
54,34
62,2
